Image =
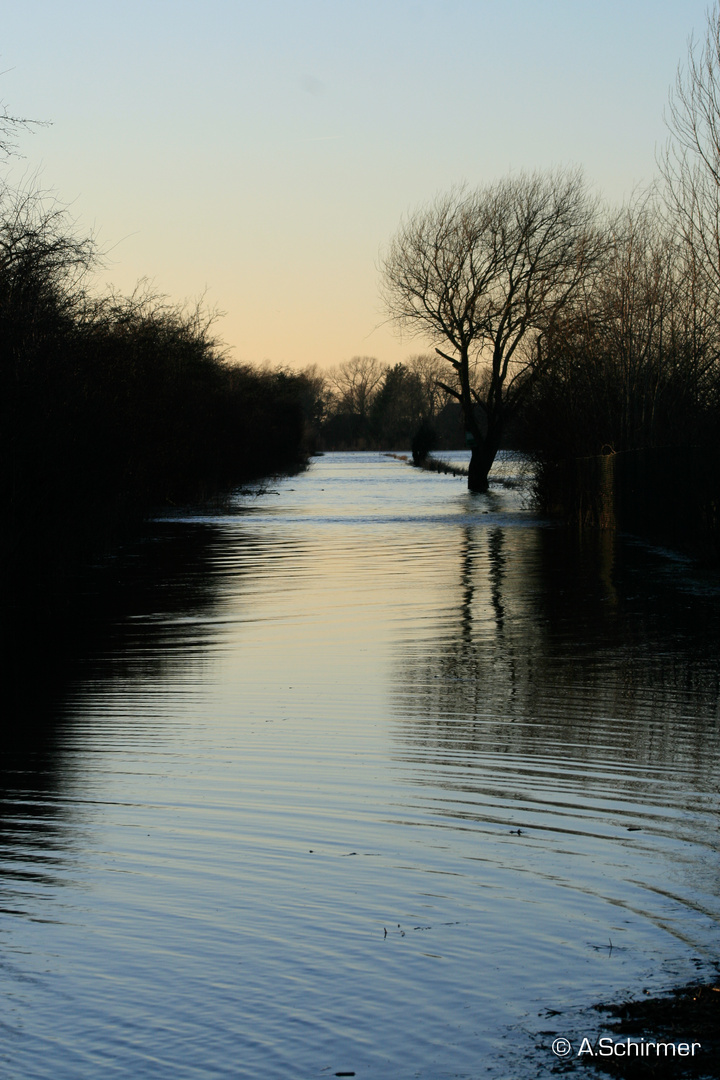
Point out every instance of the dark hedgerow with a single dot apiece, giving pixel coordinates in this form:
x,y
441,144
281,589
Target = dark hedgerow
x,y
111,407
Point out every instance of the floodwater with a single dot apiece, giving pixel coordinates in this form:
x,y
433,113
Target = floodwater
x,y
365,776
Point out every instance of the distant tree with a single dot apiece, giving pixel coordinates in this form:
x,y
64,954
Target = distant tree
x,y
354,383
316,391
398,407
485,274
313,390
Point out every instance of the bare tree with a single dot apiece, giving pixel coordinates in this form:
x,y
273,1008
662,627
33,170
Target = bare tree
x,y
354,382
690,162
484,273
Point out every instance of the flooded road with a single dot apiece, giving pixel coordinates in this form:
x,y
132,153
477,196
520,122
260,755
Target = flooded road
x,y
367,775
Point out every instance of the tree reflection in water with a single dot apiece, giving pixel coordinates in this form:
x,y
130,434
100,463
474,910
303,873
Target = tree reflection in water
x,y
583,650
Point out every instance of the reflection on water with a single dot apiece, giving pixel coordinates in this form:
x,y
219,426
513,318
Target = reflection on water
x,y
364,774
570,702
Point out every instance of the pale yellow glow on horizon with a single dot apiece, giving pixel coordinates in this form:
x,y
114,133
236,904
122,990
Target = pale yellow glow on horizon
x,y
262,156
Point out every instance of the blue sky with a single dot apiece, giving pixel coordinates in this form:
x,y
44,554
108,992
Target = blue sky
x,y
263,153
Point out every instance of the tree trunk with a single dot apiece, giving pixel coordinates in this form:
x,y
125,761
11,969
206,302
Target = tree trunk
x,y
480,464
484,446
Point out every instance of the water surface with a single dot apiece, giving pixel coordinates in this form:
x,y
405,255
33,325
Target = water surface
x,y
365,774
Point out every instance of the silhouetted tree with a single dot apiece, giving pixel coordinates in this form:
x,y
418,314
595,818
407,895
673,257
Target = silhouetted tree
x,y
486,273
353,384
398,407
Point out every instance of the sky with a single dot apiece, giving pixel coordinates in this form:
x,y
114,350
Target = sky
x,y
262,154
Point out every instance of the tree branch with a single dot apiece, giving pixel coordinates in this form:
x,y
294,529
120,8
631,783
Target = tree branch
x,y
449,390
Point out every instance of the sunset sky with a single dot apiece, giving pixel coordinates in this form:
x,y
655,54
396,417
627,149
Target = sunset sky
x,y
263,153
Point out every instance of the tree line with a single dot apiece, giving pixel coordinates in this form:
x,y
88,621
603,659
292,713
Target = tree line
x,y
363,404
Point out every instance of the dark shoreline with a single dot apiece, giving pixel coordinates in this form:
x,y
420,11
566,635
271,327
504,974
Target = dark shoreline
x,y
686,1014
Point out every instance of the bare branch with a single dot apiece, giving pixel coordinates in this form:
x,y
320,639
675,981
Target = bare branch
x,y
10,128
450,359
449,390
